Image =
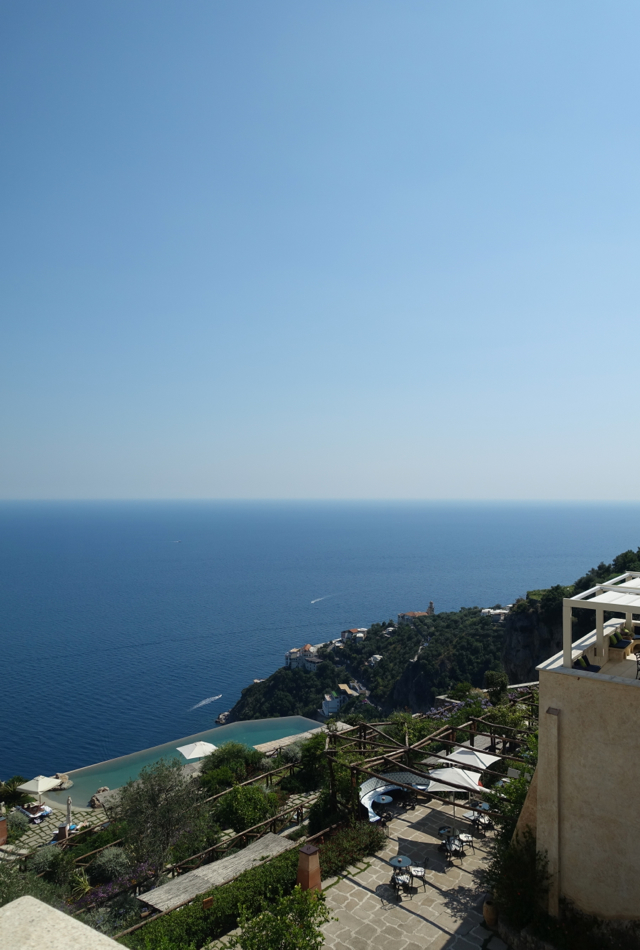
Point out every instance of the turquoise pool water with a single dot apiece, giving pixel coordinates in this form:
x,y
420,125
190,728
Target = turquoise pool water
x,y
116,772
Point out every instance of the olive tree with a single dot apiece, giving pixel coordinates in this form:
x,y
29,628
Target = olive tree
x,y
161,811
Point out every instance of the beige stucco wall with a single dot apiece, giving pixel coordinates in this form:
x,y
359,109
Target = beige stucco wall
x,y
528,819
587,790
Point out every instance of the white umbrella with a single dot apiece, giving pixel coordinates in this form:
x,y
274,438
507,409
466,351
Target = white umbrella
x,y
468,780
482,760
196,750
39,784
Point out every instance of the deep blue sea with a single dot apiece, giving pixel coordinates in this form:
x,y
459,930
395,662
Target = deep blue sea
x,y
118,619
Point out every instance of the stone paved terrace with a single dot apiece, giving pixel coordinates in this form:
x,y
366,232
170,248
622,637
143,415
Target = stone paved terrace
x,y
444,915
43,833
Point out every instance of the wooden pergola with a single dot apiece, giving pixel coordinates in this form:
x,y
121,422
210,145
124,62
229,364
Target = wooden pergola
x,y
378,752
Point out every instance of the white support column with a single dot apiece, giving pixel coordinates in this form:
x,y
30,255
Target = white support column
x,y
629,622
566,635
600,635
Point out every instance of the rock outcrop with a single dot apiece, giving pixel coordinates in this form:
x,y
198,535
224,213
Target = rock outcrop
x,y
414,689
528,641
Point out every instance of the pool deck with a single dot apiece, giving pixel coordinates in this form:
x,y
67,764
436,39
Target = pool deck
x,y
38,835
269,748
108,798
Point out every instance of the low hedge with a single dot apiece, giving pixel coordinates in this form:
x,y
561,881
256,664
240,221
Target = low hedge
x,y
194,927
349,845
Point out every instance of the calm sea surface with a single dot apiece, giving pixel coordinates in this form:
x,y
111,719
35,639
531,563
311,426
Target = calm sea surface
x,y
118,620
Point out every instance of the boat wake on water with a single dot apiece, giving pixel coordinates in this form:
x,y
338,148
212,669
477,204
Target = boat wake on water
x,y
204,702
326,597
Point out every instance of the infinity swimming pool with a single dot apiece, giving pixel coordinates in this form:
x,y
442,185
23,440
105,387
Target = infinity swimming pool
x,y
116,772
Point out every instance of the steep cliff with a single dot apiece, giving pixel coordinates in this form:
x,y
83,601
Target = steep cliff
x,y
416,688
528,641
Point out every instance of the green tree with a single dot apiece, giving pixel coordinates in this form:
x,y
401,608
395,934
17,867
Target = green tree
x,y
294,923
241,760
10,795
460,691
160,811
245,806
496,685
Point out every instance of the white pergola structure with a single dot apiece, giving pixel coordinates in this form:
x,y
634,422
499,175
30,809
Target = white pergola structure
x,y
621,595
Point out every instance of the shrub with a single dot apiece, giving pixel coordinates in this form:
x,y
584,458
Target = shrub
x,y
294,923
10,795
14,884
349,845
194,927
217,780
119,914
291,754
17,824
519,878
53,862
109,865
43,858
496,683
292,785
460,691
92,840
322,815
241,760
245,807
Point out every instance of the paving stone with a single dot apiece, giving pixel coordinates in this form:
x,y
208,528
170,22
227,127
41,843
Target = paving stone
x,y
497,944
466,943
442,915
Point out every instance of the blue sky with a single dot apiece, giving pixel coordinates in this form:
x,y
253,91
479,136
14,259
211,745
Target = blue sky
x,y
325,249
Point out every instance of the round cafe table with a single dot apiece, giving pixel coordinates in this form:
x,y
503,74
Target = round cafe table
x,y
383,799
400,861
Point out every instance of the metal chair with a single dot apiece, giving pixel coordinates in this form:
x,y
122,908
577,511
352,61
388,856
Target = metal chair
x,y
418,873
637,665
467,839
401,881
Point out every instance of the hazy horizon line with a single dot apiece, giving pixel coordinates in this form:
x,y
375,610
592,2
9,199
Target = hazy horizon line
x,y
312,500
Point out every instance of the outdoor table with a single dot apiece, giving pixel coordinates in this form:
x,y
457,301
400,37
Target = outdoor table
x,y
400,861
383,799
479,804
445,831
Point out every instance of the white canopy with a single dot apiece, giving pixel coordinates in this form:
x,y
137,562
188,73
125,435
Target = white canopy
x,y
462,757
39,784
457,776
196,750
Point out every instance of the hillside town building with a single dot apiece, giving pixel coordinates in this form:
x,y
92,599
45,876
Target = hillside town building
x,y
416,614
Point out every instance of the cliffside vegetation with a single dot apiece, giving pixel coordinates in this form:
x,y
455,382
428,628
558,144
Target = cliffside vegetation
x,y
431,655
289,693
533,630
